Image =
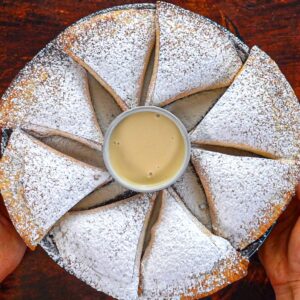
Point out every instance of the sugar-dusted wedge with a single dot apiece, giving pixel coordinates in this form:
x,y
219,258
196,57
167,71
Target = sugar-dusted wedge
x,y
51,96
259,112
183,259
39,185
193,54
245,194
103,246
115,48
190,190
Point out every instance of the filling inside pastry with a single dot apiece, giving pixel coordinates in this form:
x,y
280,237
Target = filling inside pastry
x,y
105,107
191,110
147,149
74,149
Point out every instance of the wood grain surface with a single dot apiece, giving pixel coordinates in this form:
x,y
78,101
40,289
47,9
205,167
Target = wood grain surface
x,y
27,26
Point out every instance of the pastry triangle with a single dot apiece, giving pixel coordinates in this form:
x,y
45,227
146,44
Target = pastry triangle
x,y
51,96
103,246
192,54
183,259
40,184
259,112
115,48
246,195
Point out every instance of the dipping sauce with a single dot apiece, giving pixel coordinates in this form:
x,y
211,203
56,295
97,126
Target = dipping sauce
x,y
146,149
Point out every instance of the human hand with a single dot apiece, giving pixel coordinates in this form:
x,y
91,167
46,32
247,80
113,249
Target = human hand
x,y
280,254
12,247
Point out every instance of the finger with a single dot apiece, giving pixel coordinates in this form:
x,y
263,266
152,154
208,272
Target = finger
x,y
294,248
12,249
298,192
277,241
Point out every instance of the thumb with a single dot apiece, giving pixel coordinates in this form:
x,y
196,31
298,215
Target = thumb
x,y
294,241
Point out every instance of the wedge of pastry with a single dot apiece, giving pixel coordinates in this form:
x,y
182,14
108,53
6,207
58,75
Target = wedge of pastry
x,y
51,96
246,195
183,259
192,54
40,184
259,112
103,246
115,48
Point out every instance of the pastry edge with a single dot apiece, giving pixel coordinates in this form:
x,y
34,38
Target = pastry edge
x,y
231,275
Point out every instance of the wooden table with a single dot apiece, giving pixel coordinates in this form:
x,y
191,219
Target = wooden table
x,y
27,26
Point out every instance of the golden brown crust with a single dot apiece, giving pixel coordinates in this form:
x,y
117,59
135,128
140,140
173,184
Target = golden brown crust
x,y
241,207
51,96
221,271
179,235
128,36
39,184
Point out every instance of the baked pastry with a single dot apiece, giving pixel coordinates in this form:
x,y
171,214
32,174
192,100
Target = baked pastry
x,y
183,259
108,247
246,195
100,231
40,184
192,55
115,48
259,112
51,97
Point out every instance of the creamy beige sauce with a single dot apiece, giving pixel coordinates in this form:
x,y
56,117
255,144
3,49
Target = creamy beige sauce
x,y
146,148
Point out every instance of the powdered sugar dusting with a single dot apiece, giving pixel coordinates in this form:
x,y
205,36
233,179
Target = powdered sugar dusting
x,y
103,246
246,194
184,258
189,188
259,112
51,93
39,185
114,46
194,55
